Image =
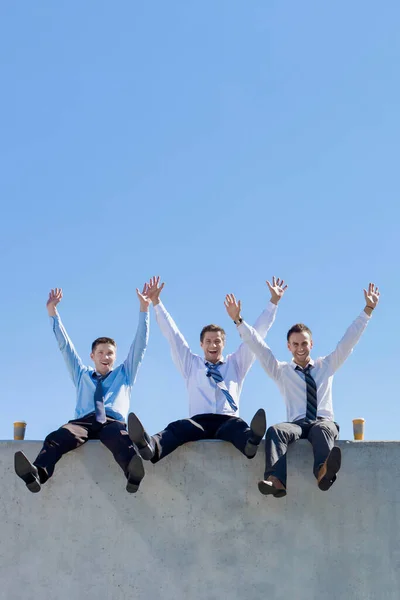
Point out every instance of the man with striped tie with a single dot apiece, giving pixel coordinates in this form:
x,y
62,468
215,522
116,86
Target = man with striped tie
x,y
306,387
213,382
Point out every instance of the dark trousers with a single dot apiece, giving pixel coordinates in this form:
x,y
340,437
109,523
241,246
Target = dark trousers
x,y
201,427
321,434
112,434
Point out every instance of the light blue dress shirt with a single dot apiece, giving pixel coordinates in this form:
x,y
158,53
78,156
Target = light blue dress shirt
x,y
117,386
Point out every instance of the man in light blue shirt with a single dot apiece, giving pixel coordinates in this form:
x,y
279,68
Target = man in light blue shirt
x,y
103,398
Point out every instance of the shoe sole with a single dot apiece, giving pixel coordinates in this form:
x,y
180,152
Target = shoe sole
x,y
258,428
137,435
135,474
258,424
270,490
333,464
25,470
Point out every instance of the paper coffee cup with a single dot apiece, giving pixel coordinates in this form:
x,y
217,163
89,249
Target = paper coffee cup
x,y
358,429
19,430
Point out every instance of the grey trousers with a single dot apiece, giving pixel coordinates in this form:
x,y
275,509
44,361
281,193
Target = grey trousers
x,y
321,434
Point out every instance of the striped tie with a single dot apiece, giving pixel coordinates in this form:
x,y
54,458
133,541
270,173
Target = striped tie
x,y
213,372
311,412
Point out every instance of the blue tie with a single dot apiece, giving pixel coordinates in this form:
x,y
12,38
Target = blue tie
x,y
99,400
311,411
213,372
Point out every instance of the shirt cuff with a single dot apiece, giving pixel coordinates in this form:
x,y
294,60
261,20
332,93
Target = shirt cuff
x,y
159,307
143,316
244,330
364,315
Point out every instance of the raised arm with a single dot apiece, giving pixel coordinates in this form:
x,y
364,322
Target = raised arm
x,y
244,355
181,354
139,344
71,357
354,332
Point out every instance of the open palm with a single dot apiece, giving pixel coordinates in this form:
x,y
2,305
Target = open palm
x,y
276,288
372,295
154,289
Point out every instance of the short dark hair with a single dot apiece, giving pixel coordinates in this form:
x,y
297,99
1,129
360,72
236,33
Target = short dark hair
x,y
103,340
211,328
298,328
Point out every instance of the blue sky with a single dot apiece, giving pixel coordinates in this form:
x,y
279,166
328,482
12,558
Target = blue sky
x,y
215,143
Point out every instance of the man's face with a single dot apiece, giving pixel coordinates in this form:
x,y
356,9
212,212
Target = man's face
x,y
213,345
300,345
104,356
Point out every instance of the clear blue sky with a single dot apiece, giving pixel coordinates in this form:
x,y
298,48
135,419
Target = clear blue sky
x,y
216,143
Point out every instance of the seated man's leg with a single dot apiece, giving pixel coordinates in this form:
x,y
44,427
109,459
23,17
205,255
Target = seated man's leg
x,y
59,442
161,444
277,439
327,458
115,437
246,439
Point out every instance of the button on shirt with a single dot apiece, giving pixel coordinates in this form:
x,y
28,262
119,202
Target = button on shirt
x,y
292,383
204,395
117,386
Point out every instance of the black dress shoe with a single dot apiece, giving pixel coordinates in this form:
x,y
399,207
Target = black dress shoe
x,y
258,427
135,474
27,471
140,438
267,488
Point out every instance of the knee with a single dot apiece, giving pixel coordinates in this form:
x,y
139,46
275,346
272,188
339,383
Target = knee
x,y
114,430
55,438
325,430
275,433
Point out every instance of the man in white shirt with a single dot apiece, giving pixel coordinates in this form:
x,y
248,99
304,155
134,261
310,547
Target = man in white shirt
x,y
213,382
306,387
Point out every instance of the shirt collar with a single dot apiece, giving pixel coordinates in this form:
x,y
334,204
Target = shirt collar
x,y
221,362
95,375
309,364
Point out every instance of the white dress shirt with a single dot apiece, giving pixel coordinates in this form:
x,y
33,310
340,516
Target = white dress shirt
x,y
204,395
292,383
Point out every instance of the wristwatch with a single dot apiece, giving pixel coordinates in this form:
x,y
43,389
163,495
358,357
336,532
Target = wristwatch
x,y
238,321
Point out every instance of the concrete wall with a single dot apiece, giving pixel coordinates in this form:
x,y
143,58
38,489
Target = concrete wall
x,y
199,529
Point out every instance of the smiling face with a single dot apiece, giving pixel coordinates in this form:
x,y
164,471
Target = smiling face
x,y
103,356
213,344
300,344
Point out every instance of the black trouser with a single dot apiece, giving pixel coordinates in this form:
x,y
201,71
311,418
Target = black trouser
x,y
321,434
201,427
112,434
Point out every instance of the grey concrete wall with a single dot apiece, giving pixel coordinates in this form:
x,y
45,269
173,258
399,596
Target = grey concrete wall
x,y
199,529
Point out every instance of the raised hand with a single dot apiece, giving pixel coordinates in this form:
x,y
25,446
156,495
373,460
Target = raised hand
x,y
277,290
233,308
371,296
143,298
154,290
55,297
